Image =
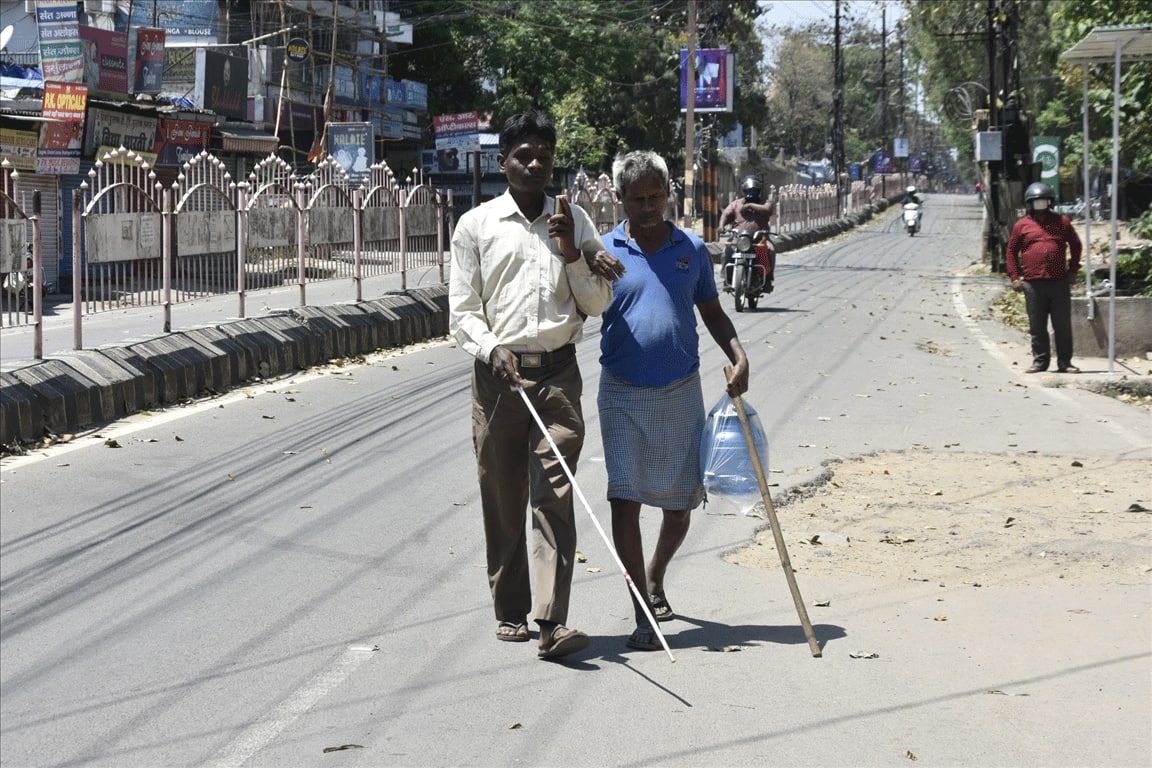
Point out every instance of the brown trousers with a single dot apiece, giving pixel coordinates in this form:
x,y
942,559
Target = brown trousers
x,y
516,468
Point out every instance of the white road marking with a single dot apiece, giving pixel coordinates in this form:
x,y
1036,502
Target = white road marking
x,y
262,732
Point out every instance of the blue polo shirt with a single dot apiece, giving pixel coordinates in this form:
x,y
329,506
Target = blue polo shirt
x,y
648,335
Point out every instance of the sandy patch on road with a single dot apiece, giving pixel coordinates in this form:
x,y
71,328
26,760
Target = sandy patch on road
x,y
970,518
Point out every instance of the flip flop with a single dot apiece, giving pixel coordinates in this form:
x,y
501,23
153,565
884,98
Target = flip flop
x,y
511,632
644,639
660,608
564,641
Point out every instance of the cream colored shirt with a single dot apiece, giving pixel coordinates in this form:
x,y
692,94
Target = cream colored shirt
x,y
510,285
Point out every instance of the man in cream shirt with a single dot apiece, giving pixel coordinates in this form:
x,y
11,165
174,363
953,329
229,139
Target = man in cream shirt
x,y
526,272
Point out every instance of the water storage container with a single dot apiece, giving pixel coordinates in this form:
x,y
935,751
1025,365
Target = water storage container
x,y
724,456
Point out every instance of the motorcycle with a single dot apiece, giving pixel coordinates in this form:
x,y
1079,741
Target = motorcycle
x,y
748,274
912,216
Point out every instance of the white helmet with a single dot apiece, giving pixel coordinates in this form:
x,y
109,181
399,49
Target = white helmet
x,y
911,190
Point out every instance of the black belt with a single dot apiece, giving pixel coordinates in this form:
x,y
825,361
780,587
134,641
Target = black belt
x,y
545,359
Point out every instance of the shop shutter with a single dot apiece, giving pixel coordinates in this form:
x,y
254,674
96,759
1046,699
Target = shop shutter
x,y
50,247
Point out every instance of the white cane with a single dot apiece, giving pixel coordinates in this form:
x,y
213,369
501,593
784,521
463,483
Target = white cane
x,y
643,600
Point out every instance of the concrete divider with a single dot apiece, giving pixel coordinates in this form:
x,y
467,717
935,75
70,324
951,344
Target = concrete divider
x,y
1133,327
79,389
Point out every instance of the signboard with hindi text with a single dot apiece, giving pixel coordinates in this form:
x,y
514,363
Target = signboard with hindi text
x,y
146,60
108,130
58,29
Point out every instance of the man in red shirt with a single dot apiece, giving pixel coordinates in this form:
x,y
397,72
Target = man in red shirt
x,y
1037,264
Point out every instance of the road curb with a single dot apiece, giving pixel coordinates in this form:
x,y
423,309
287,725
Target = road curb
x,y
78,389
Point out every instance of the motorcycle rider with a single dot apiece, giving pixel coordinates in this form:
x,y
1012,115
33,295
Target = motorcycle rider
x,y
749,213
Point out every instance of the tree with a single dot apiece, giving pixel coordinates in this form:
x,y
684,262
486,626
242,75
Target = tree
x,y
608,73
799,96
950,41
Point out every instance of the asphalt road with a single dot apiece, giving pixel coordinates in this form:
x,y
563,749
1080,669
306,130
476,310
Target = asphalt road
x,y
300,567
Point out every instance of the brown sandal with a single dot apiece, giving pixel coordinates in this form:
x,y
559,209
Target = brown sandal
x,y
563,642
511,632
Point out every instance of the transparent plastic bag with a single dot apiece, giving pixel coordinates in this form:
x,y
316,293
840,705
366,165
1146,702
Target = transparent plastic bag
x,y
729,475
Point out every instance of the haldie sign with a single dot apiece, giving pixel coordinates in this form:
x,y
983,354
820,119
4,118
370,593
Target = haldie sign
x,y
297,49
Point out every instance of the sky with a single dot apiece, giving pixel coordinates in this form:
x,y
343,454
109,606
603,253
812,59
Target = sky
x,y
800,12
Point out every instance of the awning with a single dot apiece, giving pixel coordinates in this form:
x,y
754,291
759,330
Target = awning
x,y
246,140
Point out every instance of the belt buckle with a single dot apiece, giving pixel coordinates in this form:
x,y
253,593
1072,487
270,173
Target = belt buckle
x,y
531,359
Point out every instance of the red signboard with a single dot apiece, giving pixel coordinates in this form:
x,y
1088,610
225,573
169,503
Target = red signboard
x,y
147,55
62,136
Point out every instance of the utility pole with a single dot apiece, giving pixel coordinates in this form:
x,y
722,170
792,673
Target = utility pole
x,y
1008,175
900,131
884,76
838,114
690,117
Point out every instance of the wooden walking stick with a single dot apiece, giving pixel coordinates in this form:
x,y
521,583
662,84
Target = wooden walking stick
x,y
775,524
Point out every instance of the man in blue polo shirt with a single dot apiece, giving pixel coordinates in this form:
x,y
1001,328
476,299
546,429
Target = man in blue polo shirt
x,y
650,399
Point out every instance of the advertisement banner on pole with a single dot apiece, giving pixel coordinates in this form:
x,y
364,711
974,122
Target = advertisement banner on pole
x,y
882,163
351,145
1046,152
715,78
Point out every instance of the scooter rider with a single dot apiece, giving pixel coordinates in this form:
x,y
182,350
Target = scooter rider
x,y
910,198
749,213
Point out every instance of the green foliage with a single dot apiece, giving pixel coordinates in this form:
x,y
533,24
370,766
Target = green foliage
x,y
950,41
1141,227
1134,271
607,73
800,98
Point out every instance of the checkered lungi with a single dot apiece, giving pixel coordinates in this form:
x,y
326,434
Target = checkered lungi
x,y
652,441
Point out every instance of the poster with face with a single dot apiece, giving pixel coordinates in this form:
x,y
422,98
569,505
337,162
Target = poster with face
x,y
105,61
351,145
62,133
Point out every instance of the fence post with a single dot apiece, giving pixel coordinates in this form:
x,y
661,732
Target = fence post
x,y
167,198
357,242
241,200
301,248
441,220
404,200
37,281
77,267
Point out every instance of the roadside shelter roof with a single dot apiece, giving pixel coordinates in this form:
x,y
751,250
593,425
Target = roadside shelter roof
x,y
1099,45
